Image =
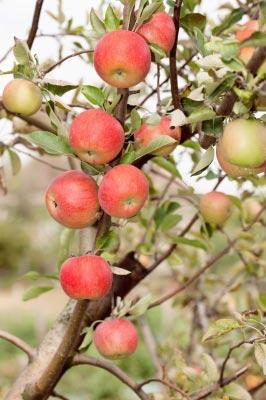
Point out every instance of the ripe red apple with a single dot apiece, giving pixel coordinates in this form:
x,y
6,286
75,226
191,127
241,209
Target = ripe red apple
x,y
233,170
243,143
122,58
96,136
215,208
22,97
159,30
86,277
146,133
72,199
115,338
123,191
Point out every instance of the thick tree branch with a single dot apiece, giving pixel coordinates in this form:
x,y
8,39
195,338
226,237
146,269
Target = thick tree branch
x,y
35,22
80,359
172,56
18,343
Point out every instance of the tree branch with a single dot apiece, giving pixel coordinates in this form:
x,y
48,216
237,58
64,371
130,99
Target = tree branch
x,y
59,62
169,385
16,341
35,22
81,359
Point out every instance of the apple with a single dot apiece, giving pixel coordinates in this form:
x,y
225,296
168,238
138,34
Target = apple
x,y
122,58
243,143
159,30
123,191
244,33
96,137
251,207
115,338
72,199
233,170
22,97
215,208
146,133
86,277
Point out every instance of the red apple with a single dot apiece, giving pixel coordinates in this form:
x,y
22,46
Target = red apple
x,y
233,170
115,338
123,191
72,199
86,277
96,136
244,33
159,30
22,97
243,143
215,208
146,133
122,58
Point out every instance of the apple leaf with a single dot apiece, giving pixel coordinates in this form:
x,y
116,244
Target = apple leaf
x,y
93,94
149,10
111,20
204,162
257,39
141,306
15,161
156,144
97,24
190,242
157,50
58,87
219,328
193,20
135,120
120,271
49,142
35,291
167,165
231,19
108,241
21,52
237,392
260,355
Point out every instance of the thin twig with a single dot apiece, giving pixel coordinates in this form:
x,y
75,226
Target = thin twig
x,y
35,22
59,62
81,359
59,395
40,160
18,343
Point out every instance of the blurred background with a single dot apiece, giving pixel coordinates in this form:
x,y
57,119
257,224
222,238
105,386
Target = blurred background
x,y
29,238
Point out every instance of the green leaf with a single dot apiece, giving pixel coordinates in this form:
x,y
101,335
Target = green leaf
x,y
200,41
190,242
210,368
260,355
227,48
213,127
204,162
65,242
135,120
219,328
51,143
15,161
93,94
258,39
58,87
231,19
35,291
225,85
167,165
262,301
90,169
202,114
97,24
141,306
108,241
237,392
111,20
21,52
193,20
33,275
170,221
156,144
157,51
149,10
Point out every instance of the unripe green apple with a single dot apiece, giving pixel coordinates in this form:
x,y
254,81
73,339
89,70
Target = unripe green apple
x,y
244,143
251,208
86,277
115,338
233,170
215,208
22,97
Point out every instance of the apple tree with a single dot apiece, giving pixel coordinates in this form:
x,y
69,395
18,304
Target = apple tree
x,y
180,104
